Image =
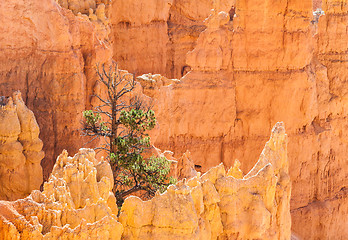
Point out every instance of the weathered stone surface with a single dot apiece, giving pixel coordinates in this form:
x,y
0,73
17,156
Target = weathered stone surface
x,y
286,64
320,210
151,83
144,28
84,6
76,203
216,206
20,149
185,24
96,11
162,32
212,52
49,55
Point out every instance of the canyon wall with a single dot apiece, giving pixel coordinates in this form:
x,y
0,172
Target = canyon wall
x,y
77,203
155,37
271,62
185,23
219,205
20,149
140,35
49,54
324,213
259,63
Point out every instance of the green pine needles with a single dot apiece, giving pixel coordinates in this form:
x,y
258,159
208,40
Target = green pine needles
x,y
124,121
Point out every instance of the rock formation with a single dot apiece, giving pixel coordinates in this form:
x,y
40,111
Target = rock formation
x,y
186,22
97,12
151,83
145,29
217,206
185,167
84,6
76,203
50,55
212,52
161,31
283,63
20,149
321,184
286,63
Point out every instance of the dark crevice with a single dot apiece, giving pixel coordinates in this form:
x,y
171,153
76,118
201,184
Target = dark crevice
x,y
3,100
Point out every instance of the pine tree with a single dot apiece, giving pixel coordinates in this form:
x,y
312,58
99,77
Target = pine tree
x,y
124,121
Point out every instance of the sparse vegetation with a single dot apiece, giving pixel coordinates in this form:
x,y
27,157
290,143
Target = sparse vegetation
x,y
124,120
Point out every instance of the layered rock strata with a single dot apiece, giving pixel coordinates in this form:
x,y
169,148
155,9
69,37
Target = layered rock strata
x,y
162,32
144,28
85,6
20,149
286,64
96,11
185,24
50,55
321,210
271,62
185,109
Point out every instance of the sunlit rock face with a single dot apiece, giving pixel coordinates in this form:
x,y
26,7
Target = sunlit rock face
x,y
320,211
140,35
162,32
76,203
49,54
272,62
284,63
20,149
217,205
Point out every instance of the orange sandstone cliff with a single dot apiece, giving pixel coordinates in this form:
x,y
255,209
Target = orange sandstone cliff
x,y
258,63
324,213
271,62
217,205
49,54
77,203
156,35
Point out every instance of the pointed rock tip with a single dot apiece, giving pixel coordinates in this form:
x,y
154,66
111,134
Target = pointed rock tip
x,y
278,128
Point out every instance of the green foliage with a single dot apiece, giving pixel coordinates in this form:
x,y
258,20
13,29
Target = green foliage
x,y
158,169
126,130
91,118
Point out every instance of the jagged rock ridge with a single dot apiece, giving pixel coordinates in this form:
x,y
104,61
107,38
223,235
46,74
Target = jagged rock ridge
x,y
77,203
286,64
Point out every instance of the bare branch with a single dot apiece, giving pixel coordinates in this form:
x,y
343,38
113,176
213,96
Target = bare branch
x,y
102,100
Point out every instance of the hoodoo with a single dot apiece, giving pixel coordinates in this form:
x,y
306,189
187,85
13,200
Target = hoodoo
x,y
218,75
